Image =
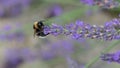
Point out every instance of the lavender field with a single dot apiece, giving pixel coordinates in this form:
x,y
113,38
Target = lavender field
x,y
79,34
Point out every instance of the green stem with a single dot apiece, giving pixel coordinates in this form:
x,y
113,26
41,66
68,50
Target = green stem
x,y
88,65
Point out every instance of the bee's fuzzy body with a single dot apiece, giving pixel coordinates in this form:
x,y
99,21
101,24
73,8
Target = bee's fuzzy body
x,y
39,29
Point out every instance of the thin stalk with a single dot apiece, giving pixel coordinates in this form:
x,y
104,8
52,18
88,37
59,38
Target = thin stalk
x,y
88,65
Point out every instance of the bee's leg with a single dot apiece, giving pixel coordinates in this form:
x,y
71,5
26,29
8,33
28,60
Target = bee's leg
x,y
42,34
47,33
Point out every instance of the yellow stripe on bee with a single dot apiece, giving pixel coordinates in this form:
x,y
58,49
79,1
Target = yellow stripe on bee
x,y
35,24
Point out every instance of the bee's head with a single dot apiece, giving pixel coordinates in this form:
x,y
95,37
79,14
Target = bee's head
x,y
40,24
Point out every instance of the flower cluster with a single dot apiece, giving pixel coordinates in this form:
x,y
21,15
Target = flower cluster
x,y
9,34
18,36
88,2
17,56
113,57
12,7
108,4
79,30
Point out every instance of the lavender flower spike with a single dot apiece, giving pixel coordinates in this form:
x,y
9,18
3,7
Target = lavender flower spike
x,y
56,10
113,57
106,4
79,30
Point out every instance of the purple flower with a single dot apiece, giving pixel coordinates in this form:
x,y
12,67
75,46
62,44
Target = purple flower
x,y
7,27
55,11
9,34
47,54
106,4
18,36
16,56
13,58
107,57
88,2
60,48
46,29
79,29
28,55
69,29
2,11
111,4
80,23
63,47
117,56
111,57
56,29
13,7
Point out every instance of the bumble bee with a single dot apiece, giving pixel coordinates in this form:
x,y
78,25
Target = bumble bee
x,y
39,28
